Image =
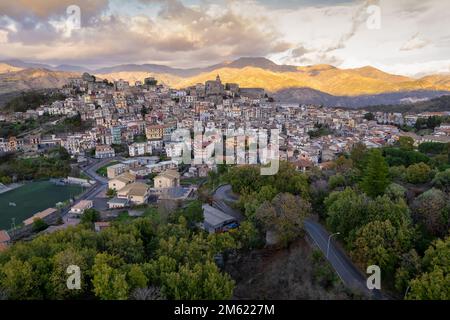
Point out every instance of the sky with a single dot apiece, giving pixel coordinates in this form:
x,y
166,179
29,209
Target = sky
x,y
409,37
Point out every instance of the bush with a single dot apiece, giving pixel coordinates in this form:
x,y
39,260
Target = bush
x,y
442,180
39,225
337,181
395,191
418,173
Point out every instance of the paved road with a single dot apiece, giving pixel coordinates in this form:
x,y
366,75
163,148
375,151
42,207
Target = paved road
x,y
344,267
101,182
221,196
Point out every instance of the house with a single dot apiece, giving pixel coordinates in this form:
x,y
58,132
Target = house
x,y
137,193
155,132
139,149
117,203
140,171
40,215
82,206
216,221
4,240
167,179
121,181
99,226
115,170
104,151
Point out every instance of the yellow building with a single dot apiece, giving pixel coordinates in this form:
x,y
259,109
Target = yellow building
x,y
121,181
137,193
167,179
155,132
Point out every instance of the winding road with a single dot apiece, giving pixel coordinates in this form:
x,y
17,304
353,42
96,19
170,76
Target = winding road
x,y
350,275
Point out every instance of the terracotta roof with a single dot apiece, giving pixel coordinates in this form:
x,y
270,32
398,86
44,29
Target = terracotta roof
x,y
40,215
4,236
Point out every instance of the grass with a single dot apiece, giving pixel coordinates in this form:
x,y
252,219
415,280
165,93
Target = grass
x,y
103,171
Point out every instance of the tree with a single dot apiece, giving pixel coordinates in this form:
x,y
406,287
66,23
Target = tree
x,y
39,225
442,180
90,216
369,116
109,283
201,281
380,243
358,155
343,164
194,212
431,210
418,173
433,285
375,179
396,192
136,277
17,279
284,216
434,282
397,173
410,264
396,211
346,211
336,181
111,193
406,143
59,276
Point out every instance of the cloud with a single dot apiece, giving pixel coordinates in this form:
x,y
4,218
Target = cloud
x,y
414,43
177,34
191,33
41,10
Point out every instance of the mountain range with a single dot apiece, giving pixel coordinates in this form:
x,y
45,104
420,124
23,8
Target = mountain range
x,y
317,84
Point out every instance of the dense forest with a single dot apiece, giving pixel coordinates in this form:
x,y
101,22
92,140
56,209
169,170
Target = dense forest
x,y
390,205
32,100
433,105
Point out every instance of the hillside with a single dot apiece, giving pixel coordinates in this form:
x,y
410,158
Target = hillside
x,y
311,96
29,79
318,84
434,105
260,72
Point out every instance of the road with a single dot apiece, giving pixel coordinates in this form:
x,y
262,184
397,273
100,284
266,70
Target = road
x,y
100,185
344,267
222,195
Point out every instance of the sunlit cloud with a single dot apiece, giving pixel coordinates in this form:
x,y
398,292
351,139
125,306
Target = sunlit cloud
x,y
191,33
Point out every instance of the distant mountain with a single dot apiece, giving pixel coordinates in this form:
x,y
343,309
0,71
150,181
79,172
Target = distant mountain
x,y
311,96
317,84
5,68
261,72
240,63
70,68
29,79
26,65
434,105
